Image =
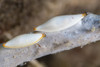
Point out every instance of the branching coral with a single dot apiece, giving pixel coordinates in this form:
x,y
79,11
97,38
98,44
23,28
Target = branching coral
x,y
80,34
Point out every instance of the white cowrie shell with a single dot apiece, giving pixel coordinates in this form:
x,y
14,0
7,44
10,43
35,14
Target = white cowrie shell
x,y
60,23
24,40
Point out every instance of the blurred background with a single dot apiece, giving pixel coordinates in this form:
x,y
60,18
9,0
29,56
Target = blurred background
x,y
20,16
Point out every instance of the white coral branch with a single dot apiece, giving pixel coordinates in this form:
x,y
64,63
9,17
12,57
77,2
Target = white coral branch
x,y
81,34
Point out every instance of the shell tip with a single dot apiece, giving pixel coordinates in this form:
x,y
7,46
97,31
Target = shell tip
x,y
43,35
84,14
4,44
34,29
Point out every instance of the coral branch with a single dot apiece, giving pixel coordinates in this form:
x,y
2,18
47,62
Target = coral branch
x,y
81,34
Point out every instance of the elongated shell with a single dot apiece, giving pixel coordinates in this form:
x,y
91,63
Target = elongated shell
x,y
60,23
24,40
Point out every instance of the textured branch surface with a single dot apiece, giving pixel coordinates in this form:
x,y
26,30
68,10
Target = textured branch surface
x,y
81,34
